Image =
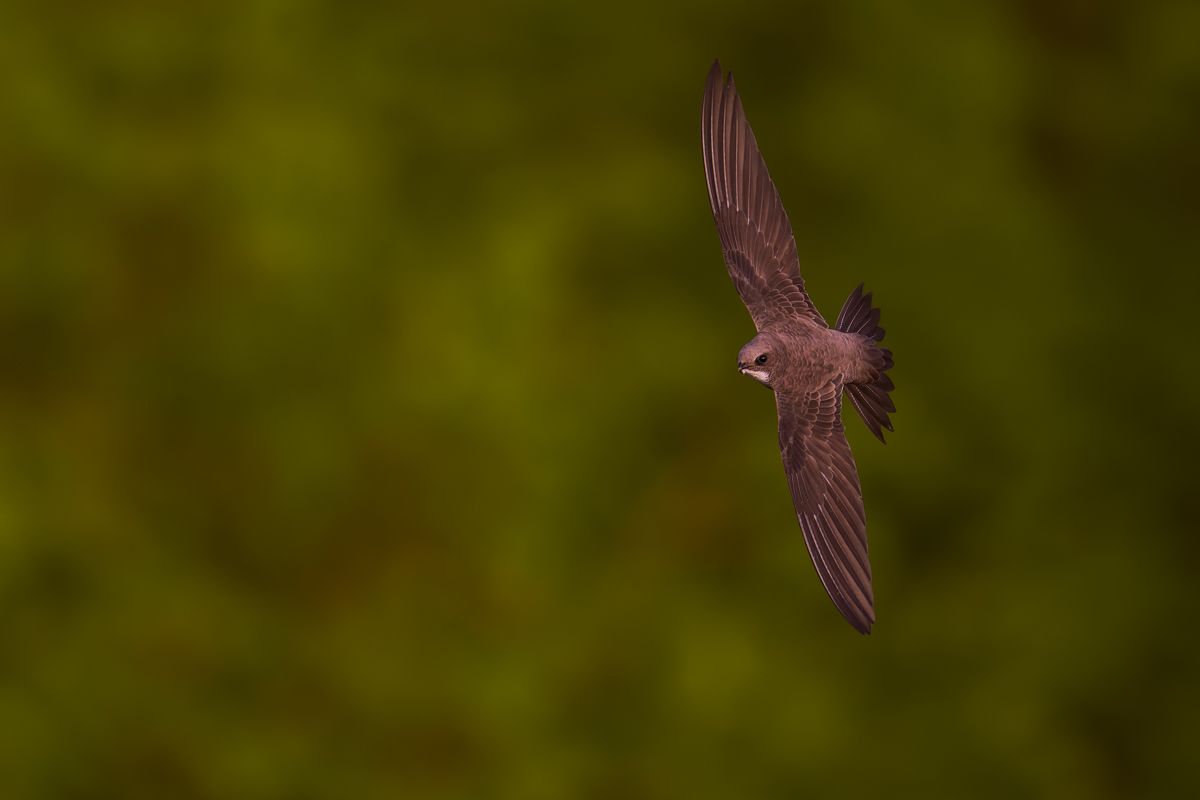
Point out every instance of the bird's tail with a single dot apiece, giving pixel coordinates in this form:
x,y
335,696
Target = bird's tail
x,y
872,399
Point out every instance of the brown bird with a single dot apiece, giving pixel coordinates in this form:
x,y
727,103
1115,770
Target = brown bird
x,y
804,361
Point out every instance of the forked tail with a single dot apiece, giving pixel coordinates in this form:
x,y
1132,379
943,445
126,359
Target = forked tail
x,y
870,399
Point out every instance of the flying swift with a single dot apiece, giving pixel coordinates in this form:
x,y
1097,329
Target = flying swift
x,y
807,364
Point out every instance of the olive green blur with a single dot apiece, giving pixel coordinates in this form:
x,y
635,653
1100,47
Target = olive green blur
x,y
370,424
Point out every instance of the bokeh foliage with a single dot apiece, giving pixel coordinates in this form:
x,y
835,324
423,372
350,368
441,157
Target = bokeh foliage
x,y
369,427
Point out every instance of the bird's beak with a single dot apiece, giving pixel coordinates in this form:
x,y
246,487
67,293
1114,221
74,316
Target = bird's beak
x,y
760,375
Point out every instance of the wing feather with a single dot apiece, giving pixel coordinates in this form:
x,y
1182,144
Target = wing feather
x,y
756,237
828,498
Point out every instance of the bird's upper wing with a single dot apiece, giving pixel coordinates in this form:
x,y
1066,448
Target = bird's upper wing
x,y
756,236
828,499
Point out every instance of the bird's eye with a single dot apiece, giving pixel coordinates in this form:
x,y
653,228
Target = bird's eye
x,y
761,359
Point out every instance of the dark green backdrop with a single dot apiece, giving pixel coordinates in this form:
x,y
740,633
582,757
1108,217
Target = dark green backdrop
x,y
369,425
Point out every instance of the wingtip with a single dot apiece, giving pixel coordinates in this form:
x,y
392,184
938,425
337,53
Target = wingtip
x,y
863,626
861,623
716,73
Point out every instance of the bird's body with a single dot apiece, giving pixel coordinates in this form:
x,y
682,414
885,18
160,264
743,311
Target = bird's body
x,y
805,362
806,355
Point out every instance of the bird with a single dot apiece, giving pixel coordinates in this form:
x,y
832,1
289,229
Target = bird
x,y
805,362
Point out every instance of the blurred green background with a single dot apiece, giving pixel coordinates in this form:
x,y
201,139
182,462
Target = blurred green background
x,y
369,424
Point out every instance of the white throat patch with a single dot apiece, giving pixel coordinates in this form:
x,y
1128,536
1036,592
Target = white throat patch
x,y
762,376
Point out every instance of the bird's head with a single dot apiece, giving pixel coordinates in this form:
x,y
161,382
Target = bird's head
x,y
760,358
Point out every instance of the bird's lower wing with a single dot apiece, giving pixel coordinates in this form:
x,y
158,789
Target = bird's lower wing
x,y
828,498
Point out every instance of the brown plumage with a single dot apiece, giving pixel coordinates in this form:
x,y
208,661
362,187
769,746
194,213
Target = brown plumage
x,y
805,362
